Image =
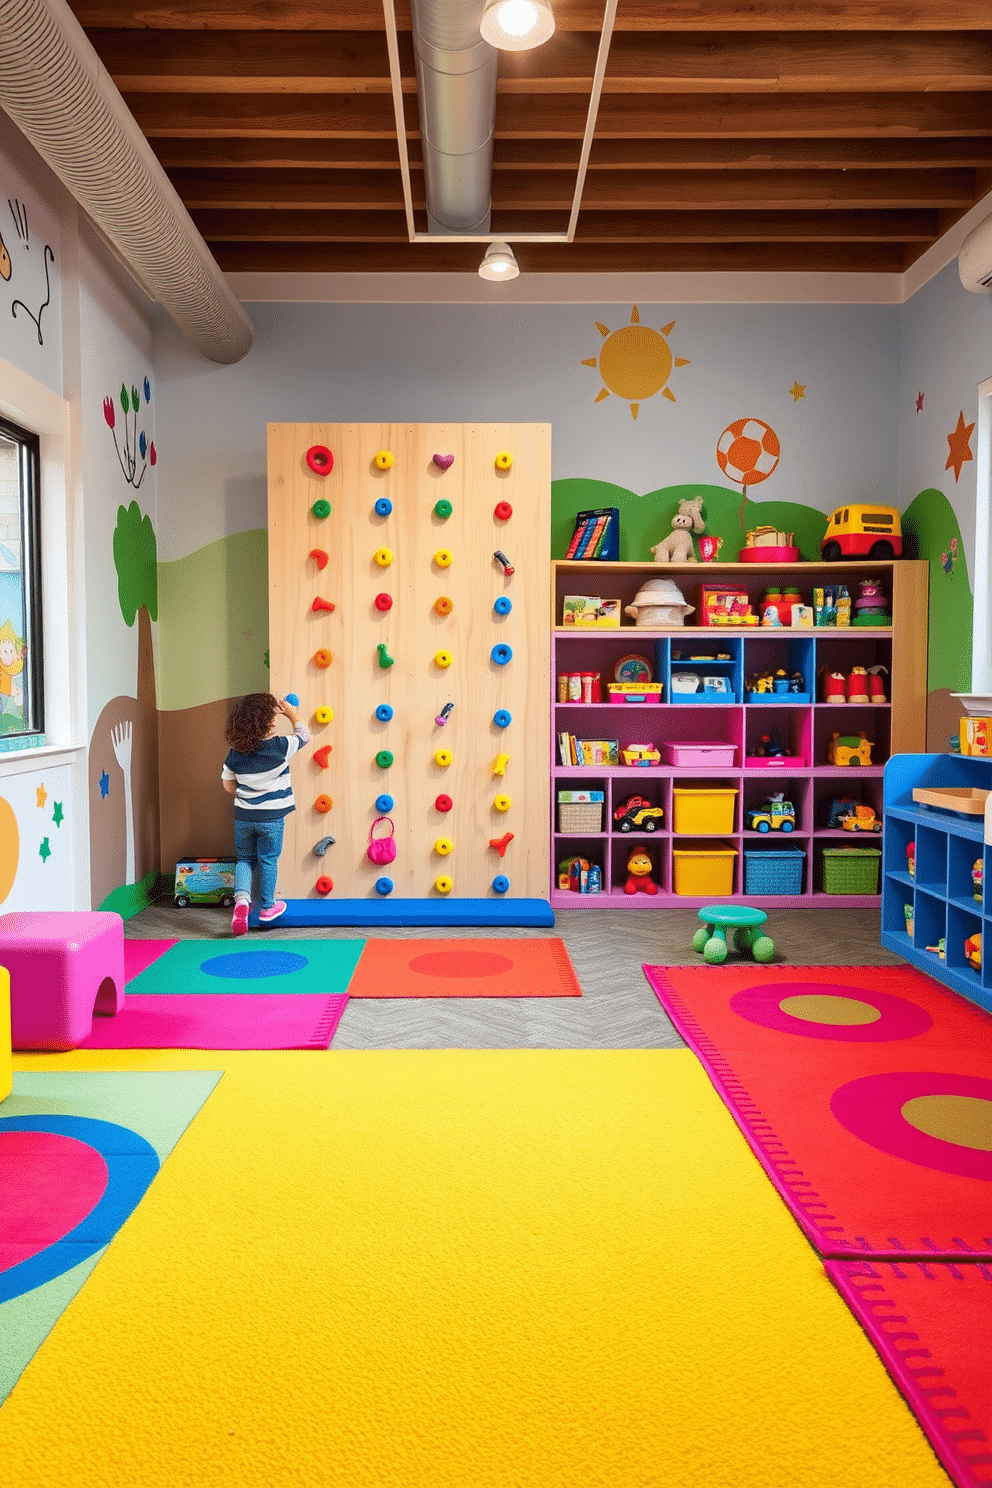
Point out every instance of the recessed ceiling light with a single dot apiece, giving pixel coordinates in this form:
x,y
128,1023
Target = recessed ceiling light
x,y
499,263
517,25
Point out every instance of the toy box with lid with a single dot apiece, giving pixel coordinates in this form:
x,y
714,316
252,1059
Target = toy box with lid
x,y
204,881
703,810
773,871
580,810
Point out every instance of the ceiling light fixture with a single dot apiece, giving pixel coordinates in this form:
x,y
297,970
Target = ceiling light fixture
x,y
517,25
499,263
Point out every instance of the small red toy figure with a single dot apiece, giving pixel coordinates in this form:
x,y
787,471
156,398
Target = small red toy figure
x,y
639,878
911,858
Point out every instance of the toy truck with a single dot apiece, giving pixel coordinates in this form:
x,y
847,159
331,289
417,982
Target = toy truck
x,y
771,816
638,815
204,881
852,817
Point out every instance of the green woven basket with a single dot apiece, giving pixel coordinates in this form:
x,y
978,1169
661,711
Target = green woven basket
x,y
851,870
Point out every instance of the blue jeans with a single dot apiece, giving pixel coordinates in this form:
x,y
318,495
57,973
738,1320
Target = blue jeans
x,y
257,844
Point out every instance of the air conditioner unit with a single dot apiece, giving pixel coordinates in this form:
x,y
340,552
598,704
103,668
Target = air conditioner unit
x,y
975,259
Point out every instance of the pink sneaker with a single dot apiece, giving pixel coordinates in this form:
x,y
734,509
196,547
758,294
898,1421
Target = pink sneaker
x,y
267,915
239,920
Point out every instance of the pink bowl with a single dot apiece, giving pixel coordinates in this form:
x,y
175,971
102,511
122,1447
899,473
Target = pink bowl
x,y
768,555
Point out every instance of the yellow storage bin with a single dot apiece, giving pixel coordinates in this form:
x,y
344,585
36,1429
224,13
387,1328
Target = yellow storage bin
x,y
703,873
6,1060
698,811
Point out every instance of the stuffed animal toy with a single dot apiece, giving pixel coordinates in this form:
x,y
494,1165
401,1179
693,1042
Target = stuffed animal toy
x,y
677,547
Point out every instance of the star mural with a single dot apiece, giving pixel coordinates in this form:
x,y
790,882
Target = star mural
x,y
44,851
58,815
959,446
40,796
798,390
104,784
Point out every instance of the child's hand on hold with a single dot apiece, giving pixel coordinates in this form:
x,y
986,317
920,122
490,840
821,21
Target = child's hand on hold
x,y
288,709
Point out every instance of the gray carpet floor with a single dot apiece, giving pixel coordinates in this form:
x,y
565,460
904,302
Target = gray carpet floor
x,y
617,1009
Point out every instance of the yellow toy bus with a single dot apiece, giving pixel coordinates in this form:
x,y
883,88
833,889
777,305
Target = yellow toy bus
x,y
862,530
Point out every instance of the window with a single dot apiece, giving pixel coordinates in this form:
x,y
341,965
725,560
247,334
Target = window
x,y
21,650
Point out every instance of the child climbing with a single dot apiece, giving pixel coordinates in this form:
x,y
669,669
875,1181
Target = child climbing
x,y
256,774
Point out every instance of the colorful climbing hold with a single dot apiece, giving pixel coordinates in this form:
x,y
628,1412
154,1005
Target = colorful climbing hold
x,y
443,758
320,459
502,719
324,885
501,843
443,659
383,804
384,712
443,509
501,883
444,803
502,511
384,759
443,558
323,804
292,699
504,460
500,557
383,507
443,846
441,718
384,886
321,755
500,763
322,658
322,604
321,509
503,605
382,557
443,605
319,557
323,714
501,654
320,848
383,460
443,462
502,803
443,884
383,602
385,660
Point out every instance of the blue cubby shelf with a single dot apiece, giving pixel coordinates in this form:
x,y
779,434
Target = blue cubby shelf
x,y
941,893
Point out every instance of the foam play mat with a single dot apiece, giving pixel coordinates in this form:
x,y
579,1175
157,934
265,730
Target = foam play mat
x,y
465,968
931,1322
221,1021
863,1091
249,965
462,1269
77,1153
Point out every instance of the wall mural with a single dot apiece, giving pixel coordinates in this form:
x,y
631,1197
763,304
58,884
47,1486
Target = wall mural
x,y
635,362
35,841
959,447
19,213
136,445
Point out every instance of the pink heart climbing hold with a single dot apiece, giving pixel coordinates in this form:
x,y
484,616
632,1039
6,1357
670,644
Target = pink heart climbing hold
x,y
443,462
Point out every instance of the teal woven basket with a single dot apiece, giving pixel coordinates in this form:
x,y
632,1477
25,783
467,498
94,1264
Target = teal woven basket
x,y
768,871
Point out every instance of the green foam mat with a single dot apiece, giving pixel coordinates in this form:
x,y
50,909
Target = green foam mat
x,y
249,965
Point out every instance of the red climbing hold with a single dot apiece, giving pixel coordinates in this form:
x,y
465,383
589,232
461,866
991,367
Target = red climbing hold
x,y
320,755
503,511
321,604
320,459
319,557
324,885
384,602
501,843
444,803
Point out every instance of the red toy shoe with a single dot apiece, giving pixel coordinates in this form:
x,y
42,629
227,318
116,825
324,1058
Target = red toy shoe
x,y
857,685
876,686
834,690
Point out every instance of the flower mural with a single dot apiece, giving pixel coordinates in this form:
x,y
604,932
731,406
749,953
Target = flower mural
x,y
136,444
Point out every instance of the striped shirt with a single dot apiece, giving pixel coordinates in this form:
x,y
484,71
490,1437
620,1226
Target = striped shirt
x,y
265,791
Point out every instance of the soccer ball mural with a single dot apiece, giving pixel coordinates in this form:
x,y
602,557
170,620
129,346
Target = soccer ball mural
x,y
748,451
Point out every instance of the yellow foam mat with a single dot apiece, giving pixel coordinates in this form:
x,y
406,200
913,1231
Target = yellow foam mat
x,y
448,1269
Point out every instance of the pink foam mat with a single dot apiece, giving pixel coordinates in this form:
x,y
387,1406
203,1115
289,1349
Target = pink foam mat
x,y
141,953
220,1021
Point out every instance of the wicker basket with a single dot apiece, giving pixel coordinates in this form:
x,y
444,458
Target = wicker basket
x,y
774,871
580,816
851,870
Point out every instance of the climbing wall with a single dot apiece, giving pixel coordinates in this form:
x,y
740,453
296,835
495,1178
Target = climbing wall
x,y
410,633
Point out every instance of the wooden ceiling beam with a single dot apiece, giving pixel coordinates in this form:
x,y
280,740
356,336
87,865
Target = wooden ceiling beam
x,y
284,154
342,191
242,115
254,61
622,191
553,258
755,227
302,226
570,15
794,154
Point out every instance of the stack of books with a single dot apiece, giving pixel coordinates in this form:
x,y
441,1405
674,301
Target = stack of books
x,y
596,535
573,751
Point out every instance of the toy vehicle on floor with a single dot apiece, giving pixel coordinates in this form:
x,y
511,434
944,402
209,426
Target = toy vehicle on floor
x,y
771,816
862,530
638,815
849,750
204,881
853,817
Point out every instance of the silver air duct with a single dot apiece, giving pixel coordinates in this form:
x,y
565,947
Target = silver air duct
x,y
456,90
54,87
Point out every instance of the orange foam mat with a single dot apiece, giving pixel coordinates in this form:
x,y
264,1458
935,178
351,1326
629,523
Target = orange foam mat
x,y
464,968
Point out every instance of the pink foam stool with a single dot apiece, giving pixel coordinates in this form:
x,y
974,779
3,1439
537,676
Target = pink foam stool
x,y
63,967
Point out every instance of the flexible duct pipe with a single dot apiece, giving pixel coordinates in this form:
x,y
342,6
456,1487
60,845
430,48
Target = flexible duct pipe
x,y
456,90
54,87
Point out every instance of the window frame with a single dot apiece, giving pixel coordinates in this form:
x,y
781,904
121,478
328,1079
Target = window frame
x,y
29,467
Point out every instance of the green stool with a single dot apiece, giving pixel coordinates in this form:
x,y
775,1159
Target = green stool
x,y
718,919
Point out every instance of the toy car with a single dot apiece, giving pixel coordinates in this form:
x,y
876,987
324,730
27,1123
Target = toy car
x,y
853,817
849,749
204,881
771,816
638,815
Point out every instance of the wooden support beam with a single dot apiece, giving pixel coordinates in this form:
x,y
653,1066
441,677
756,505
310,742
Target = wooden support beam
x,y
197,153
756,227
242,115
749,154
341,191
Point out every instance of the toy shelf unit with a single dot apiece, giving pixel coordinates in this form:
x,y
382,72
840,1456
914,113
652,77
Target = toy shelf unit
x,y
946,898
738,715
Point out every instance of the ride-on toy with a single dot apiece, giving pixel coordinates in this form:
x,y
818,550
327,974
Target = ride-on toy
x,y
717,919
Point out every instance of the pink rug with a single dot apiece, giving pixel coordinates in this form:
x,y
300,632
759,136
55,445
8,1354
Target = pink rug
x,y
220,1021
141,953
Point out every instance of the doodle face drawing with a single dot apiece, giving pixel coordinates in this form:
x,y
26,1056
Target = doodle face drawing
x,y
20,215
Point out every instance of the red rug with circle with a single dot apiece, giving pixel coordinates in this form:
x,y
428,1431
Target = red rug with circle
x,y
865,1092
464,968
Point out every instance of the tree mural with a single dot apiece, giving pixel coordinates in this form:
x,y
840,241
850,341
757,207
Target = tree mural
x,y
135,559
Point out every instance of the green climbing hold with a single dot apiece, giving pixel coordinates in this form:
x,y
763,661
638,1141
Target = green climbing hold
x,y
384,759
321,508
385,660
443,509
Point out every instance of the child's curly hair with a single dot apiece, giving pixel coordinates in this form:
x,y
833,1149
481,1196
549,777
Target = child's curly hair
x,y
251,721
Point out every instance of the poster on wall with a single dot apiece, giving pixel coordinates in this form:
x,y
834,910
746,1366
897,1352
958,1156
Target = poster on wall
x,y
35,841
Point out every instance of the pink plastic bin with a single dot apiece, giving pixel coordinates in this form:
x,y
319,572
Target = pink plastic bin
x,y
702,752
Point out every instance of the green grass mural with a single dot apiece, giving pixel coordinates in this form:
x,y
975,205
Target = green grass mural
x,y
929,521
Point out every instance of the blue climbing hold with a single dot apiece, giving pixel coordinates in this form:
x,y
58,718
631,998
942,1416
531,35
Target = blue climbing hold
x,y
501,654
384,886
503,605
383,506
383,804
292,699
502,719
501,883
384,712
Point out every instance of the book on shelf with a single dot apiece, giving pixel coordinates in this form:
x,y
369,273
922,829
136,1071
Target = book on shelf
x,y
598,751
581,532
568,753
596,535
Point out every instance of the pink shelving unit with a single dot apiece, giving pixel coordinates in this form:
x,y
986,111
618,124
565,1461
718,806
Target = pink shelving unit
x,y
804,725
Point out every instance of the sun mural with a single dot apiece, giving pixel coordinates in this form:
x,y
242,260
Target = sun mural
x,y
635,362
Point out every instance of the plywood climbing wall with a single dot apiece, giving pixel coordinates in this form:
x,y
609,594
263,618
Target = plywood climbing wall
x,y
416,686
